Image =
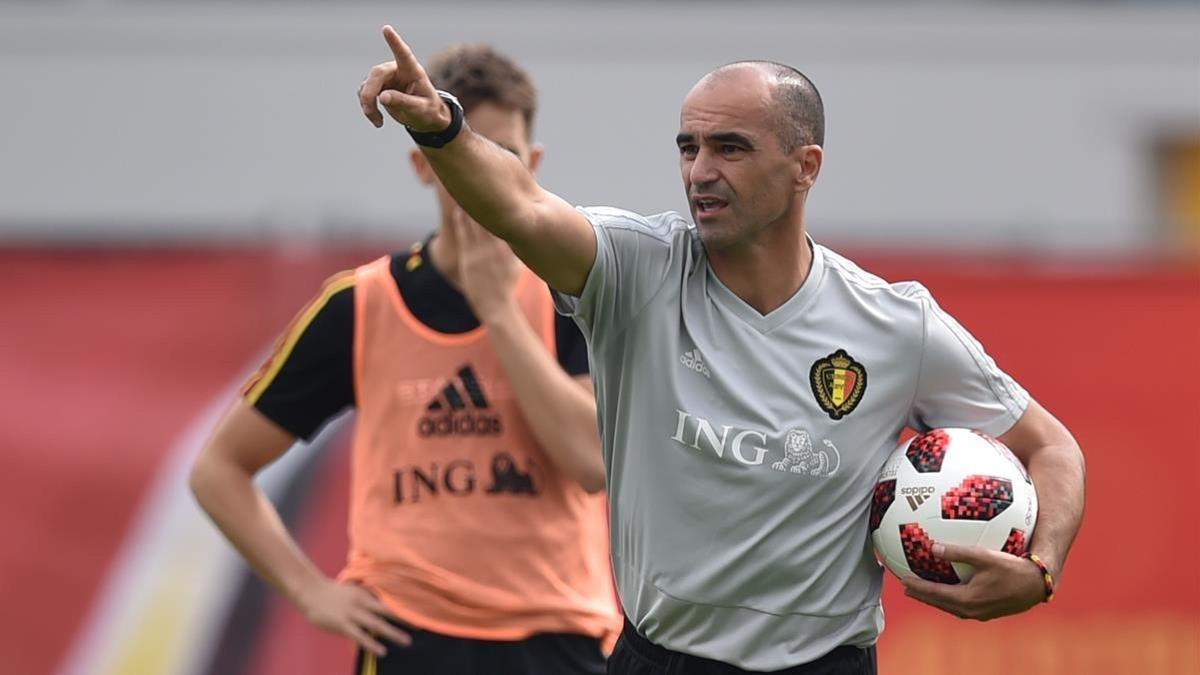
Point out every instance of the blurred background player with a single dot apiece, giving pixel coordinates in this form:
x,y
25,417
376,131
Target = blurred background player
x,y
475,544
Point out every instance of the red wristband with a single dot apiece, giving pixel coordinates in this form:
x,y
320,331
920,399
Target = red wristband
x,y
1047,578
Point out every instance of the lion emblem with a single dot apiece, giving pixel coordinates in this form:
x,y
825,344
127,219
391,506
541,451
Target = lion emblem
x,y
799,456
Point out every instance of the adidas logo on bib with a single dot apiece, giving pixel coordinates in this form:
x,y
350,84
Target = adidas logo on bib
x,y
692,359
451,414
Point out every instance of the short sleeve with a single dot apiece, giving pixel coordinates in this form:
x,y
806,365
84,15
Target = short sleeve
x,y
959,384
632,260
309,377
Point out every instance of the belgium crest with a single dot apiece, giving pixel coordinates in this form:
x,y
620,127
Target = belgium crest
x,y
838,382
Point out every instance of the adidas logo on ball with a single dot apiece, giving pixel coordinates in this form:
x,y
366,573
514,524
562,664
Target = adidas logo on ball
x,y
916,496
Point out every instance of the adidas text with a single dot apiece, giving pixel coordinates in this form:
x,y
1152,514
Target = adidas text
x,y
459,424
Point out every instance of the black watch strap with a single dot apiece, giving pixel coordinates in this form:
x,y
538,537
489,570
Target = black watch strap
x,y
436,139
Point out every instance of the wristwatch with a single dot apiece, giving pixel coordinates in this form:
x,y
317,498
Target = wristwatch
x,y
436,139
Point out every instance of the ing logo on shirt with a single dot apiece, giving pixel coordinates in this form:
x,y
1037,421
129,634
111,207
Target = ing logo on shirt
x,y
450,414
460,478
751,447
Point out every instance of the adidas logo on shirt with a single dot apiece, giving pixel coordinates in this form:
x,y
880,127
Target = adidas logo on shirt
x,y
450,414
692,359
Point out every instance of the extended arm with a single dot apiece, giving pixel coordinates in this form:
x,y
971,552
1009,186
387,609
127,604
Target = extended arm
x,y
491,184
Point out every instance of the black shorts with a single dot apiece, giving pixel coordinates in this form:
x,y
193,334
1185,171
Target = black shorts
x,y
437,654
635,655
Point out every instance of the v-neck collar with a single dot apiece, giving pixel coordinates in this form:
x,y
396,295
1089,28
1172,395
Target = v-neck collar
x,y
764,323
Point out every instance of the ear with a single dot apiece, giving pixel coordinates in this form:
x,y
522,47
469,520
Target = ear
x,y
421,167
537,152
808,164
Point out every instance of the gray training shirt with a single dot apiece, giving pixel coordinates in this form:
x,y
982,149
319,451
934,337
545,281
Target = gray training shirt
x,y
742,449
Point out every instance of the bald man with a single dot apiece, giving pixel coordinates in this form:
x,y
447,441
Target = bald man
x,y
739,480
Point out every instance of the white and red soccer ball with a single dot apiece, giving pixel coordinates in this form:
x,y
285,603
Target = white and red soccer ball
x,y
951,486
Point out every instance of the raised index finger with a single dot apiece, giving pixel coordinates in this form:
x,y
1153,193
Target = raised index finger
x,y
404,56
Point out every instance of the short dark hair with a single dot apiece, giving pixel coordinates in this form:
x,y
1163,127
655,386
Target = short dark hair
x,y
798,110
477,73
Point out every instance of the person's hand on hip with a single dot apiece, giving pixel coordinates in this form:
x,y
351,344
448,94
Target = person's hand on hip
x,y
348,609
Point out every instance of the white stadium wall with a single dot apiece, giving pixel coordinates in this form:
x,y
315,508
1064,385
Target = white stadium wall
x,y
971,125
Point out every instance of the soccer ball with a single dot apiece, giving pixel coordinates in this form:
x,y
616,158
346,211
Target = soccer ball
x,y
953,486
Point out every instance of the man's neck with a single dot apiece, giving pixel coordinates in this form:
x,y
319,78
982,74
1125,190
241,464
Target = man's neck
x,y
767,272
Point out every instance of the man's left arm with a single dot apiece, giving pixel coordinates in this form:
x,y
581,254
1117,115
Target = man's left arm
x,y
962,386
1055,462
